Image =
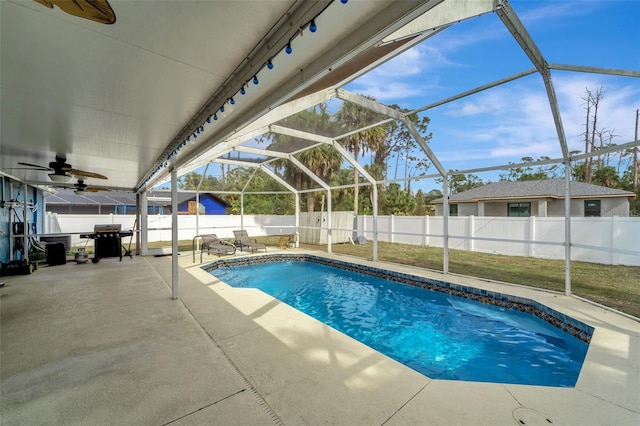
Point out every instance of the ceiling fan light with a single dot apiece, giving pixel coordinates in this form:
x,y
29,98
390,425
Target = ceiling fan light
x,y
58,178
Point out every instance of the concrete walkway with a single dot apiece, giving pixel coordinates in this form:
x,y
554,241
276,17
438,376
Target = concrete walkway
x,y
104,344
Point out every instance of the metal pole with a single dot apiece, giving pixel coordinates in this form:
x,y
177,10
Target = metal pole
x,y
174,234
297,229
11,242
144,224
204,174
137,221
329,221
567,229
242,210
445,224
375,223
25,222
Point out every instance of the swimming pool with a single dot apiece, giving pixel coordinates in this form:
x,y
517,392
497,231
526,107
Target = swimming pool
x,y
442,332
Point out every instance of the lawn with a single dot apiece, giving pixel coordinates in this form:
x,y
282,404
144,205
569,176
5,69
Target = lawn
x,y
611,285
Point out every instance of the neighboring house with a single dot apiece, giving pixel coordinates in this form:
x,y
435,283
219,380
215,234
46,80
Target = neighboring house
x,y
158,202
537,198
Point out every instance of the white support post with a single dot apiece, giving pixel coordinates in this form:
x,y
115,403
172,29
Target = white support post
x,y
137,226
445,224
174,234
567,229
297,229
204,174
144,224
328,221
25,224
242,210
11,239
197,212
375,223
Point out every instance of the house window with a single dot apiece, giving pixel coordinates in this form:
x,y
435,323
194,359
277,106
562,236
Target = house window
x,y
453,210
591,208
519,209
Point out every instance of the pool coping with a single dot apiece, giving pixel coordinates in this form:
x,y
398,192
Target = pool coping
x,y
606,390
566,323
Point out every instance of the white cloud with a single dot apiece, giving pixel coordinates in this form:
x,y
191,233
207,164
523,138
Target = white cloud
x,y
505,124
555,10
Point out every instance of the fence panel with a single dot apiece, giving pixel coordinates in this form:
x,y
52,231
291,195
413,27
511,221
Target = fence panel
x,y
606,240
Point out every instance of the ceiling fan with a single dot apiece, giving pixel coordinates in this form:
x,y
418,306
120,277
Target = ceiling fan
x,y
62,172
82,187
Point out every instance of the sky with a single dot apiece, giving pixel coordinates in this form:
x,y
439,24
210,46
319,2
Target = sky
x,y
503,124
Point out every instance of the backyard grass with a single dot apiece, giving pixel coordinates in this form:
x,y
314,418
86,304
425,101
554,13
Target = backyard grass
x,y
611,285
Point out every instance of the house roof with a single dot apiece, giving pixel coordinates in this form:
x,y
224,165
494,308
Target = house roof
x,y
551,188
117,198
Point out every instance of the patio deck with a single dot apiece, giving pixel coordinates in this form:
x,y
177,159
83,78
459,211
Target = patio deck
x,y
104,344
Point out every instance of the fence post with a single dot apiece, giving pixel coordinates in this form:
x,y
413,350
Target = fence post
x,y
472,230
425,230
364,225
391,229
532,236
612,240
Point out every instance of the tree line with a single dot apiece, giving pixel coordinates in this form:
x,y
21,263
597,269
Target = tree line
x,y
388,152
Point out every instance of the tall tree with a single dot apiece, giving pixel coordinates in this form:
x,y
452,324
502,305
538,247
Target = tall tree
x,y
592,101
459,183
403,145
351,116
398,201
323,160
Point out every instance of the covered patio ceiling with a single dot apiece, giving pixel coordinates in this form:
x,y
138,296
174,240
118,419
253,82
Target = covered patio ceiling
x,y
122,99
176,85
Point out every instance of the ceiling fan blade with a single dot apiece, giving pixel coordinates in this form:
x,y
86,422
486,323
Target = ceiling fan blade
x,y
96,189
35,166
78,172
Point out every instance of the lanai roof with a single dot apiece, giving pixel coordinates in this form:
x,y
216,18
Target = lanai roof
x,y
550,188
157,198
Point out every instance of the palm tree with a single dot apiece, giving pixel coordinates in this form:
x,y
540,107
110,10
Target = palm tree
x,y
322,160
351,117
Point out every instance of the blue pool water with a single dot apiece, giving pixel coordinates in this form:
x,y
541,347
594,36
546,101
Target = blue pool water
x,y
436,334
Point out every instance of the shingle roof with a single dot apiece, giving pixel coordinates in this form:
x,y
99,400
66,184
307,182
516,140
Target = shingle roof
x,y
552,188
114,198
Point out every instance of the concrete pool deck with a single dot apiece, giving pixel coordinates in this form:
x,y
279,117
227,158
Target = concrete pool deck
x,y
104,344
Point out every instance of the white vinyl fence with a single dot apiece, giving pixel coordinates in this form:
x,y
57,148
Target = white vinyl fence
x,y
605,240
159,226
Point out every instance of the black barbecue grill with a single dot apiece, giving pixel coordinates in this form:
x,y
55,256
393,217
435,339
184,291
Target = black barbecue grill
x,y
108,241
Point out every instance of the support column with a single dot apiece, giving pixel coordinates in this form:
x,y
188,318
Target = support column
x,y
136,226
25,221
204,174
329,221
144,224
174,234
297,228
242,210
445,224
375,223
567,229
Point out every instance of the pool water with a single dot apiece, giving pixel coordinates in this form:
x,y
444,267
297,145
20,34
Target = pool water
x,y
436,334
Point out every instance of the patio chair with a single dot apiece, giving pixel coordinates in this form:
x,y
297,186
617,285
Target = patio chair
x,y
212,244
243,240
